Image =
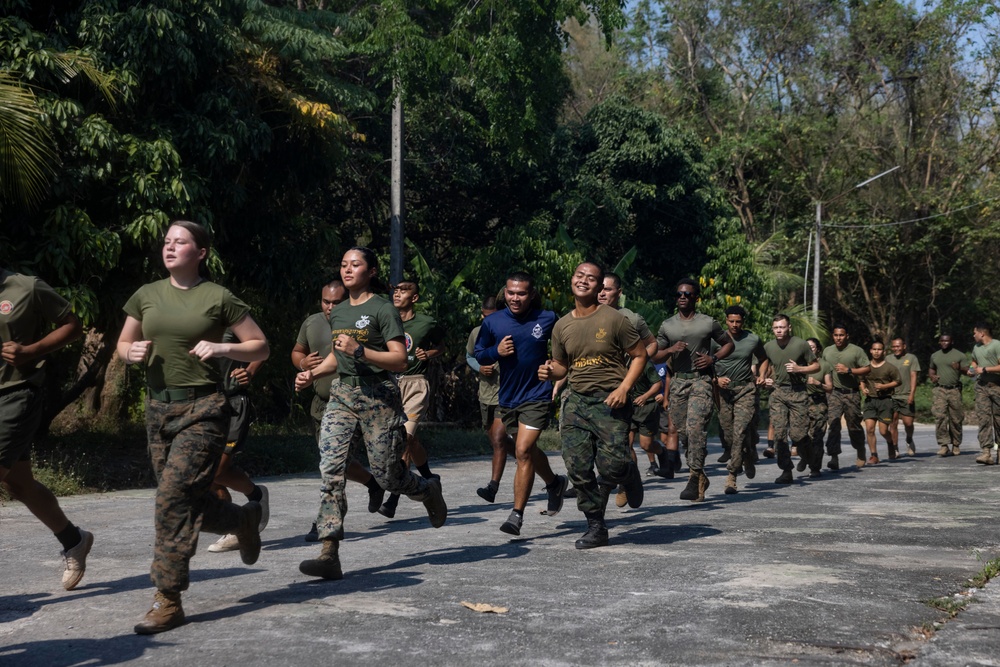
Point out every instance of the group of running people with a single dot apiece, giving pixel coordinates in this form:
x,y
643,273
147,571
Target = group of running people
x,y
366,356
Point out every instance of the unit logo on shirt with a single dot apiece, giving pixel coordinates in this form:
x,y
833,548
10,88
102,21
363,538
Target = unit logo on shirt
x,y
363,322
409,342
6,307
601,333
537,332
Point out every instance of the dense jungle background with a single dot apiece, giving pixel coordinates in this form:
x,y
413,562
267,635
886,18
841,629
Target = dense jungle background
x,y
667,139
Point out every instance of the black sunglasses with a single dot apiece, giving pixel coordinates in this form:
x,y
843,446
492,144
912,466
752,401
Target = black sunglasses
x,y
687,294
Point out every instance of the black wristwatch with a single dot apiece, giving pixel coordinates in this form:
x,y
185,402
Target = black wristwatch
x,y
359,352
715,359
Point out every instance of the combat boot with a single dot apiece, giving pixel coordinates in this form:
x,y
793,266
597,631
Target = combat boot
x,y
248,532
327,566
702,485
785,477
673,463
166,614
731,484
633,486
690,491
437,510
954,450
985,457
943,451
597,532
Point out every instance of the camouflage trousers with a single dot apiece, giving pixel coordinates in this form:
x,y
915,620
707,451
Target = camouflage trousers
x,y
736,412
848,406
790,418
946,406
186,439
818,419
594,435
375,410
988,414
691,409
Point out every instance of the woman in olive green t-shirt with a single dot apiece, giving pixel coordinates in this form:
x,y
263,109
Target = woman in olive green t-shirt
x,y
368,345
175,327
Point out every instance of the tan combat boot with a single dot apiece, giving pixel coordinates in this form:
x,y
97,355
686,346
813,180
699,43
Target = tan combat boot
x,y
954,450
985,457
327,566
943,451
702,485
731,484
166,614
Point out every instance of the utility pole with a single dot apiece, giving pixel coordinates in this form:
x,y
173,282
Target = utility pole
x,y
396,219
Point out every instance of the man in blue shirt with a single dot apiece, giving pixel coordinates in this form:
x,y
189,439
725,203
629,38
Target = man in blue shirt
x,y
518,338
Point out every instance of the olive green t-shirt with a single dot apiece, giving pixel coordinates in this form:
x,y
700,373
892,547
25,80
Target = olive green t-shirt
x,y
420,331
796,350
738,366
489,385
905,364
28,309
314,336
372,324
594,348
824,369
881,374
987,355
175,320
638,322
941,362
851,356
697,332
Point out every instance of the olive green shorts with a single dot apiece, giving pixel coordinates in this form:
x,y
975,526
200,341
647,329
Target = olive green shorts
x,y
534,415
20,415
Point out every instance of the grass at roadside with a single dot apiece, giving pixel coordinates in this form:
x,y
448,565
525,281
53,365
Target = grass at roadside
x,y
99,461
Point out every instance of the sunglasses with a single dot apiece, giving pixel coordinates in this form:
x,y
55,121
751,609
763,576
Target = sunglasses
x,y
685,294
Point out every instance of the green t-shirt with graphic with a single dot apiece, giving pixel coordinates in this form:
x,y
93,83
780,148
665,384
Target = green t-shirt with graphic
x,y
905,364
796,350
882,375
420,331
29,308
941,362
851,356
372,324
175,320
594,348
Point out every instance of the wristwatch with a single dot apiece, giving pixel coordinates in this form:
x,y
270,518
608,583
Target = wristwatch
x,y
359,352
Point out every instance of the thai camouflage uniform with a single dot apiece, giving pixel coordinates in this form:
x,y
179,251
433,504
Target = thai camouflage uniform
x,y
946,404
593,434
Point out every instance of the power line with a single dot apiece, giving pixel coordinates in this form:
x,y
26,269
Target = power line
x,y
906,222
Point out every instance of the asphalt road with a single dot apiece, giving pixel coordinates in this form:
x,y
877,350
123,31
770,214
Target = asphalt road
x,y
830,571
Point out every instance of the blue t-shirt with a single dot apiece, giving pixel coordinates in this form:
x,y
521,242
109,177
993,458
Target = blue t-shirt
x,y
519,381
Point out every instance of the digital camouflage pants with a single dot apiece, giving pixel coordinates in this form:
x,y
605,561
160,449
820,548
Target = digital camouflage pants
x,y
186,439
376,411
946,406
848,406
790,418
988,414
690,409
594,435
736,413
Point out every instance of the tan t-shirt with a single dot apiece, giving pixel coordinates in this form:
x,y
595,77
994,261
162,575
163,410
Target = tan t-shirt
x,y
594,349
